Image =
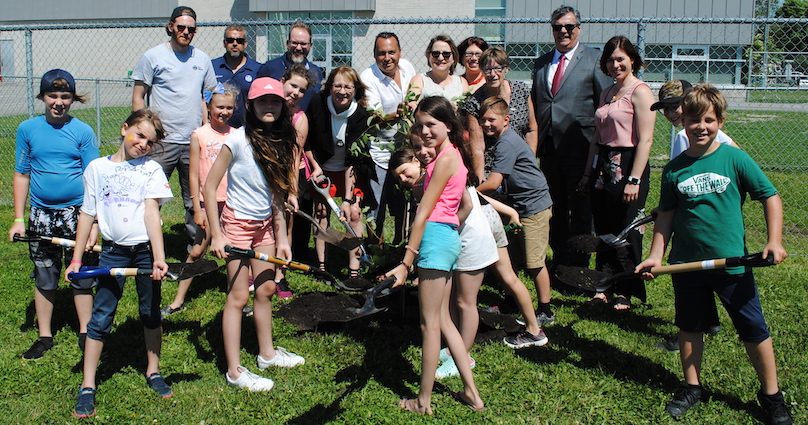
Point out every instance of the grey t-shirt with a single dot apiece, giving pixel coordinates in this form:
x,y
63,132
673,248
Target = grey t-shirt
x,y
523,182
177,81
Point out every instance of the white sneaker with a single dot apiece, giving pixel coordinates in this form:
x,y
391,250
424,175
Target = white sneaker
x,y
250,381
282,358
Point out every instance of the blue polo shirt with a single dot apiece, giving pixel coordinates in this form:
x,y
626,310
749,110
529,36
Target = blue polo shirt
x,y
241,79
275,68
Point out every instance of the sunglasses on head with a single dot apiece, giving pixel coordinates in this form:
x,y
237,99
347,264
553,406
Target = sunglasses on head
x,y
568,27
239,40
436,54
182,28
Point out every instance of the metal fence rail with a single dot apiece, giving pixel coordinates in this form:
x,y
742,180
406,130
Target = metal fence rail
x,y
760,64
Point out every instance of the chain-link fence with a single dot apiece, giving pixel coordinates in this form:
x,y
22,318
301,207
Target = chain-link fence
x,y
761,65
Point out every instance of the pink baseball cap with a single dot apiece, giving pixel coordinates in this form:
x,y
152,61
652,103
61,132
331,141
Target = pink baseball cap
x,y
264,86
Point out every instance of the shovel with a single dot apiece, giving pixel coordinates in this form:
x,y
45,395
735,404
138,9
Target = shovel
x,y
331,236
596,281
587,243
176,271
294,265
369,307
322,187
67,243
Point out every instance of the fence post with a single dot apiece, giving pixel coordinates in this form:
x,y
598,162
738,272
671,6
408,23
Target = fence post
x,y
98,110
641,43
29,71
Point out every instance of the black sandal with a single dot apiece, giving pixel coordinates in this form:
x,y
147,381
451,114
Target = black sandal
x,y
620,300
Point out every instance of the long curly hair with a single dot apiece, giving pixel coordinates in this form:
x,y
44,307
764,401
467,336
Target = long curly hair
x,y
273,147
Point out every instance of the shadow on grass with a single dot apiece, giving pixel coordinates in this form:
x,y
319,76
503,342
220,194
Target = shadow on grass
x,y
64,312
125,347
601,357
385,336
628,320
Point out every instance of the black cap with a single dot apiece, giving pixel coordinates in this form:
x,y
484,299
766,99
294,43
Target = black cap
x,y
50,77
182,11
671,94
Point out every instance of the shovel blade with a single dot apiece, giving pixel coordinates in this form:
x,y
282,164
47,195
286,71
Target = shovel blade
x,y
339,239
583,278
612,241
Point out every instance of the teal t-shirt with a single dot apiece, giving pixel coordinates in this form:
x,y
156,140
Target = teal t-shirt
x,y
706,195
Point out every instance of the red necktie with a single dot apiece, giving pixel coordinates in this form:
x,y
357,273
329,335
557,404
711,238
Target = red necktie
x,y
559,74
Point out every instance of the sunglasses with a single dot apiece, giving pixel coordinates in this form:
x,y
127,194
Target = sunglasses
x,y
436,54
182,28
568,27
240,40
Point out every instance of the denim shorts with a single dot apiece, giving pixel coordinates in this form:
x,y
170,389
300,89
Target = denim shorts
x,y
440,247
695,305
110,289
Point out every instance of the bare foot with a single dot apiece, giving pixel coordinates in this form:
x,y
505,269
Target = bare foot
x,y
474,402
414,405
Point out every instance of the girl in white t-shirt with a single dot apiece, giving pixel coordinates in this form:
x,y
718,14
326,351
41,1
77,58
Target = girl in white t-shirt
x,y
123,192
259,161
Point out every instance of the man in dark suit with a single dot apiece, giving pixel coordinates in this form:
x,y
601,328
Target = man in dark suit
x,y
298,46
567,83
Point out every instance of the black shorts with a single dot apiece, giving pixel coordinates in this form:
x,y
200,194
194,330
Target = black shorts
x,y
695,305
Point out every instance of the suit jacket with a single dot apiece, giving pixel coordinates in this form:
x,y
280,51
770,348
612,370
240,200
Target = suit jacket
x,y
568,118
275,68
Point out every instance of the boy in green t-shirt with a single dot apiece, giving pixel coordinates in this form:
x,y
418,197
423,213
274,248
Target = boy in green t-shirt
x,y
700,214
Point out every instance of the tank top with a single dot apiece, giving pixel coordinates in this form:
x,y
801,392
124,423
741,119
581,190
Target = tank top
x,y
210,144
451,91
615,120
445,210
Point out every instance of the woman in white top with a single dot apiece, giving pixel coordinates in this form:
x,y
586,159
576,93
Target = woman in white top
x,y
440,79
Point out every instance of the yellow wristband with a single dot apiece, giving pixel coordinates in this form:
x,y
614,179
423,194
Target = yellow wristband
x,y
19,220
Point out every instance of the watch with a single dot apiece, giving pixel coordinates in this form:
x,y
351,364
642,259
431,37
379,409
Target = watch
x,y
633,180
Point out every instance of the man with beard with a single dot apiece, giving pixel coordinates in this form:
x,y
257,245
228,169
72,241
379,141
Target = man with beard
x,y
298,46
170,78
237,68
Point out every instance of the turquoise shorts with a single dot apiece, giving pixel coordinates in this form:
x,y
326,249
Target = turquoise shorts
x,y
440,247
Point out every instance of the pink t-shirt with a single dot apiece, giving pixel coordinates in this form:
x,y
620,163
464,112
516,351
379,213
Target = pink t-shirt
x,y
210,144
445,210
615,120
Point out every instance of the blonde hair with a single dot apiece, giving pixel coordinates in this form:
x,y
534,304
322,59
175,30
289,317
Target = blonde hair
x,y
698,101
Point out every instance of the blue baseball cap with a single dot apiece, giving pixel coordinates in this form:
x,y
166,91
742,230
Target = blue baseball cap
x,y
46,84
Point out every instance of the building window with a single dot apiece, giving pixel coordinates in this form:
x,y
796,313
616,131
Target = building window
x,y
332,45
492,33
695,63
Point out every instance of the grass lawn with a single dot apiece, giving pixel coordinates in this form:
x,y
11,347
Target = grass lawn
x,y
599,367
792,95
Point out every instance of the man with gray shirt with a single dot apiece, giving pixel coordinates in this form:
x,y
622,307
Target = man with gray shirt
x,y
170,78
567,83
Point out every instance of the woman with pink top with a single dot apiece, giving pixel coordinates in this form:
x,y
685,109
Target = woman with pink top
x,y
206,142
435,241
625,132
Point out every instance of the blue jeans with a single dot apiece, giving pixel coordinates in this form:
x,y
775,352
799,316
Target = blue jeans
x,y
110,289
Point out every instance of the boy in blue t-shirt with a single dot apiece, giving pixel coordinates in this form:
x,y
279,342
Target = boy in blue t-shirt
x,y
51,154
515,170
700,215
